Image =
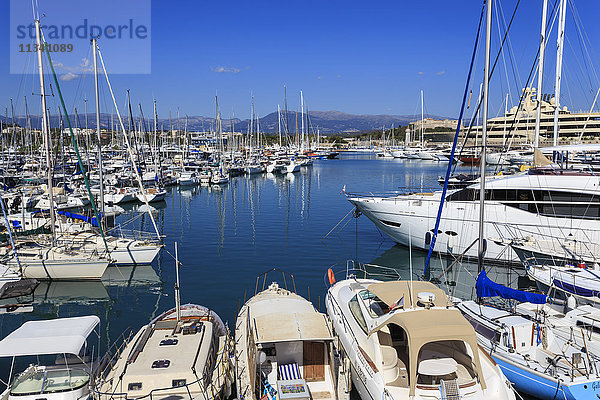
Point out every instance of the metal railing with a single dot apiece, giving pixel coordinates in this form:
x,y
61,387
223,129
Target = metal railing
x,y
222,364
264,278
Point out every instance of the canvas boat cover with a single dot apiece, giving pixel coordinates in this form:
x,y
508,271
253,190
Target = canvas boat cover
x,y
55,336
423,325
488,288
291,327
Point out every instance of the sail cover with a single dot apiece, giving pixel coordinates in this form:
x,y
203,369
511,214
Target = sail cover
x,y
488,288
80,217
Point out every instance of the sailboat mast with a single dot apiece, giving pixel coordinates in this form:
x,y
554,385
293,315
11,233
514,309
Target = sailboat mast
x,y
287,122
302,115
559,56
538,114
422,120
45,127
279,124
486,84
99,136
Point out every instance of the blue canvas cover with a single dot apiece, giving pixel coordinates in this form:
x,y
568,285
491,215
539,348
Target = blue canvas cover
x,y
488,288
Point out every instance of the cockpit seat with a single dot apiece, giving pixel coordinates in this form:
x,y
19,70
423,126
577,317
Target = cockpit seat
x,y
390,363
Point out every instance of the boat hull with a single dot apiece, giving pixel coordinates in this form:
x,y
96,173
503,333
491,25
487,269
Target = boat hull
x,y
63,270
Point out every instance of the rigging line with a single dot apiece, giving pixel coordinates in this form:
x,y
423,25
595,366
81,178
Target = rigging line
x,y
76,148
450,163
580,39
137,174
492,72
512,133
511,55
583,90
585,39
503,57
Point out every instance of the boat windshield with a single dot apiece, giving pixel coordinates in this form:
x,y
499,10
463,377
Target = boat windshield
x,y
39,381
374,304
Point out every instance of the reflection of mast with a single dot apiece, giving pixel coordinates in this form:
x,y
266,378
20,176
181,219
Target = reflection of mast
x,y
234,206
221,216
308,193
252,213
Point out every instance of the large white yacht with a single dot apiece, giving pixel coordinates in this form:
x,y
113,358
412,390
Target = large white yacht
x,y
541,203
405,341
284,349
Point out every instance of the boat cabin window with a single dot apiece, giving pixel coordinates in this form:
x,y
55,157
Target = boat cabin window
x,y
374,304
483,330
552,203
178,382
357,313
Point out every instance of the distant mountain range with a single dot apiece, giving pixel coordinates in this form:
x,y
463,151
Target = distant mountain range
x,y
327,122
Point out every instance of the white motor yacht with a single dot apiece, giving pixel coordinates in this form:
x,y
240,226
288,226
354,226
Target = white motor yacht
x,y
187,178
542,203
66,339
153,194
115,195
284,349
405,341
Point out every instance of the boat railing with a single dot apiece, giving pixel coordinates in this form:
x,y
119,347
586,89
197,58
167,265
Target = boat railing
x,y
402,191
356,269
108,361
144,236
284,274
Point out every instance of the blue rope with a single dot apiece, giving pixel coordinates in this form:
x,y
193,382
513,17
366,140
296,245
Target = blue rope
x,y
450,163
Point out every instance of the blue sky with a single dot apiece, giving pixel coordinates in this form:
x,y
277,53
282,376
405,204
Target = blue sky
x,y
351,56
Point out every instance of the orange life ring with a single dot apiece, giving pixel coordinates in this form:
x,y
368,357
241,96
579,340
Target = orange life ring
x,y
331,276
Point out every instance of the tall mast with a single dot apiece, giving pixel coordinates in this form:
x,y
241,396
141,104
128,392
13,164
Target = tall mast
x,y
486,85
538,113
287,122
279,124
154,141
422,120
99,136
302,115
45,127
559,56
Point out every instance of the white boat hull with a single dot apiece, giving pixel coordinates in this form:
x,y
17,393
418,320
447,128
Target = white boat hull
x,y
62,270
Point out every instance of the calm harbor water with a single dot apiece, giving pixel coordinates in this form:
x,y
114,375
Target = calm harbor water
x,y
228,236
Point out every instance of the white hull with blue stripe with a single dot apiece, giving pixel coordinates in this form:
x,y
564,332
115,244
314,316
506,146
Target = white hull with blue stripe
x,y
537,361
579,281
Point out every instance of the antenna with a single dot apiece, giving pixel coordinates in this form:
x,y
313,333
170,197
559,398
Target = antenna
x,y
177,299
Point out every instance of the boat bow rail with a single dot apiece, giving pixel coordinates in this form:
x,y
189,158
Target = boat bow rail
x,y
402,191
204,381
355,269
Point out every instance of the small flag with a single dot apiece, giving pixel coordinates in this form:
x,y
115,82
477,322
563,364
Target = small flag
x,y
398,303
